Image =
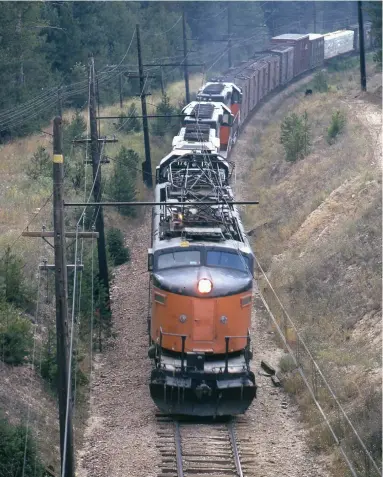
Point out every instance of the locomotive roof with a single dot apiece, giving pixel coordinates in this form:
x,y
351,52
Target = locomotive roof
x,y
205,109
213,88
217,87
188,155
196,202
197,132
230,244
196,137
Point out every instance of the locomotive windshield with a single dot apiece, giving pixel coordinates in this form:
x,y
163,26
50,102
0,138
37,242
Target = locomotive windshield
x,y
227,260
209,258
179,259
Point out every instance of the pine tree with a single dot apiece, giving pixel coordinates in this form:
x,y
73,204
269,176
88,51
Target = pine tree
x,y
164,124
296,136
122,183
132,123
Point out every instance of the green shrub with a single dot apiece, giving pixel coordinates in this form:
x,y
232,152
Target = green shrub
x,y
122,182
133,124
93,296
117,251
286,363
337,125
295,136
15,335
40,164
48,362
12,450
163,125
342,64
320,82
12,286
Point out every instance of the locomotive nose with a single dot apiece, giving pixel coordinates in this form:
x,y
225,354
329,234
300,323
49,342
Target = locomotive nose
x,y
194,281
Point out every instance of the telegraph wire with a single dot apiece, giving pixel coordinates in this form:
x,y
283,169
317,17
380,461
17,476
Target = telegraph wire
x,y
167,31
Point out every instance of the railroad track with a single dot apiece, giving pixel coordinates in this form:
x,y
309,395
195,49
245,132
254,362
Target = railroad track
x,y
201,449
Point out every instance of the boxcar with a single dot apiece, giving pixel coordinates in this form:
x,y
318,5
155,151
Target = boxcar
x,y
338,43
273,62
286,57
316,49
301,44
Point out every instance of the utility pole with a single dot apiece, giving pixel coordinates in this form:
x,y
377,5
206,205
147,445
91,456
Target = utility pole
x,y
59,102
147,164
95,155
363,80
229,30
120,88
315,16
162,81
61,288
186,72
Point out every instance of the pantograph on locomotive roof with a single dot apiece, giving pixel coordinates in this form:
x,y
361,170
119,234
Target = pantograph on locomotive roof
x,y
201,178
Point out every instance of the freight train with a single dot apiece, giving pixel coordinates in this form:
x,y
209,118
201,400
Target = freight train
x,y
200,260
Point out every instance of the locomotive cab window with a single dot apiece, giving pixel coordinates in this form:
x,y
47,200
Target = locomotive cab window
x,y
237,97
227,260
179,259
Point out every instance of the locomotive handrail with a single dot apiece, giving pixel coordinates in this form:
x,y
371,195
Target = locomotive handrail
x,y
227,340
183,338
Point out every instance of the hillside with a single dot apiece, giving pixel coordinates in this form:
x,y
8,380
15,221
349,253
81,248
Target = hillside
x,y
317,232
25,201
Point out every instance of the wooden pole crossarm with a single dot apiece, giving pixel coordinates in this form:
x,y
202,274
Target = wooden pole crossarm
x,y
140,117
168,204
43,234
80,141
69,267
176,64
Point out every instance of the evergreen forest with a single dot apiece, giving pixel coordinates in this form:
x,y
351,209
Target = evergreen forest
x,y
45,46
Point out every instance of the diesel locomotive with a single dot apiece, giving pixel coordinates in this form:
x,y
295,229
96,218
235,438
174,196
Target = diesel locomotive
x,y
201,277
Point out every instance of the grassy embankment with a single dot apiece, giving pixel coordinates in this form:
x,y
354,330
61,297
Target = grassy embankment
x,y
21,198
318,235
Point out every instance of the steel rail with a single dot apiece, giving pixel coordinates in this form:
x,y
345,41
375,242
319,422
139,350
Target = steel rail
x,y
177,438
233,441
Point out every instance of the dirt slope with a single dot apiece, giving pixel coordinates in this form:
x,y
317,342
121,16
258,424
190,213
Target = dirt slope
x,y
317,231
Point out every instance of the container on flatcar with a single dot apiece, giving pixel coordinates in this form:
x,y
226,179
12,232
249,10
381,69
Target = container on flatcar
x,y
301,44
316,49
286,58
338,43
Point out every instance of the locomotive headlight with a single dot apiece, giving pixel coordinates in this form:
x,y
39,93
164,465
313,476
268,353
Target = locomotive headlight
x,y
204,285
223,319
183,318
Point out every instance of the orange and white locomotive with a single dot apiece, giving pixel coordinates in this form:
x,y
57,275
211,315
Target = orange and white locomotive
x,y
201,289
